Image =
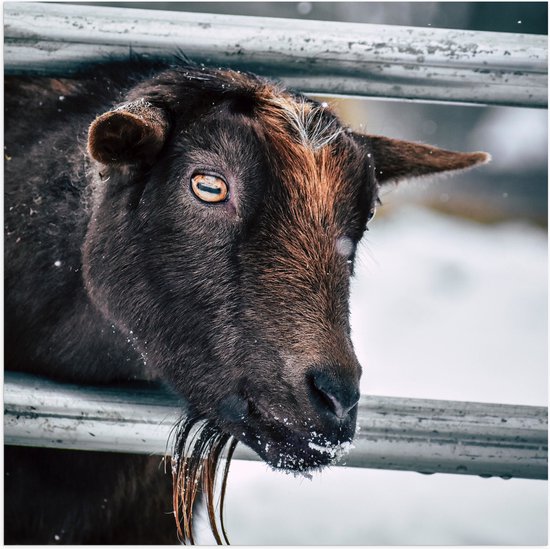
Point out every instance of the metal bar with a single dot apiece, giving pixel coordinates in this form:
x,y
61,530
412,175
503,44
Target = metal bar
x,y
394,433
313,56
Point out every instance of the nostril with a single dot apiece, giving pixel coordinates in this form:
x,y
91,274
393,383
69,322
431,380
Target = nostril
x,y
336,396
339,411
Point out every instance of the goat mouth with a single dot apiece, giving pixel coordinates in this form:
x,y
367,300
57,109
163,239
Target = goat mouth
x,y
282,444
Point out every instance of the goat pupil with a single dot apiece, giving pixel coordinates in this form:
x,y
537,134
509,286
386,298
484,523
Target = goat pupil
x,y
209,188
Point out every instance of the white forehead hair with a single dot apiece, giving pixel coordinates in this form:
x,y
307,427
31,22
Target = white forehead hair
x,y
313,130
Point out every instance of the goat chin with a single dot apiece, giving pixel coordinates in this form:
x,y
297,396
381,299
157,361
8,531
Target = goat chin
x,y
285,447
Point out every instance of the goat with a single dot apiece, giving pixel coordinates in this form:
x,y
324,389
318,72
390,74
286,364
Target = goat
x,y
196,226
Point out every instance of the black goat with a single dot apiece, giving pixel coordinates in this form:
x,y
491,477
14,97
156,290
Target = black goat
x,y
202,230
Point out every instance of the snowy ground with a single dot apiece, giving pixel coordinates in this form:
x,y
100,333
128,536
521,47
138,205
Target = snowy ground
x,y
441,308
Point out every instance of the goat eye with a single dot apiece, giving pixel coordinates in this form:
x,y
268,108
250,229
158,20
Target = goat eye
x,y
209,188
371,214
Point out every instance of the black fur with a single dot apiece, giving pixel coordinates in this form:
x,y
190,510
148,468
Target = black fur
x,y
116,271
120,273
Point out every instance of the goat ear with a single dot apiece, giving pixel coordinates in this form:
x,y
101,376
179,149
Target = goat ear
x,y
133,133
395,160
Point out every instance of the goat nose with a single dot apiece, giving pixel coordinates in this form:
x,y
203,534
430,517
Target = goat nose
x,y
339,397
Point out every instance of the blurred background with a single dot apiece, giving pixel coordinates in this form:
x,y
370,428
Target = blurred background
x,y
449,302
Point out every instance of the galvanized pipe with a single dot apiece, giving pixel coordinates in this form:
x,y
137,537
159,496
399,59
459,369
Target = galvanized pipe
x,y
428,436
313,56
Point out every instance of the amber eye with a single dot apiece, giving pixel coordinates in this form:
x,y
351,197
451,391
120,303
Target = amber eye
x,y
209,188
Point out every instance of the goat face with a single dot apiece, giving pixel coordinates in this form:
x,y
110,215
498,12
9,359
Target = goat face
x,y
224,222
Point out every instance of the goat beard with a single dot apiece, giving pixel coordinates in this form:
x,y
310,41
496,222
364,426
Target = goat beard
x,y
198,452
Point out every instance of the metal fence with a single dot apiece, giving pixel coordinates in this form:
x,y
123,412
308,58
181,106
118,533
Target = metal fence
x,y
313,56
368,60
429,436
